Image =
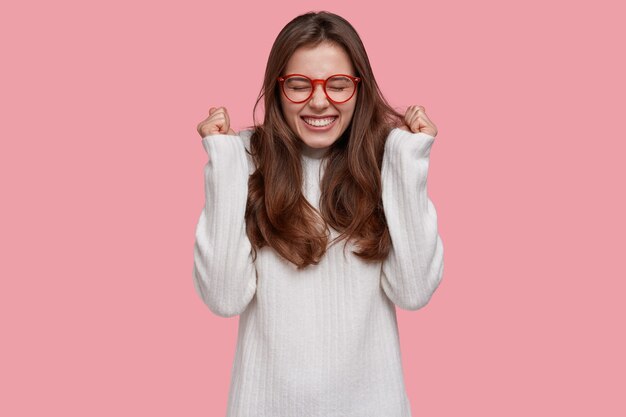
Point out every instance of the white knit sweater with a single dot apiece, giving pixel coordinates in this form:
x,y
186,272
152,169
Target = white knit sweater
x,y
321,341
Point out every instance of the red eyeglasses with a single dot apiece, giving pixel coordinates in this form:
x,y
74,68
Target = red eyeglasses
x,y
298,88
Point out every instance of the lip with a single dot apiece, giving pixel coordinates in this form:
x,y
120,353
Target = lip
x,y
320,117
322,128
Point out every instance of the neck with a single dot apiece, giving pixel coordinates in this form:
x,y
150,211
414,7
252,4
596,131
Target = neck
x,y
312,153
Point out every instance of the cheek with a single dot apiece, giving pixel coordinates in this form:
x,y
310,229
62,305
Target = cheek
x,y
349,114
288,110
291,116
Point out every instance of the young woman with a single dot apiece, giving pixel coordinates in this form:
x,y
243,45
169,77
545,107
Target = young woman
x,y
332,162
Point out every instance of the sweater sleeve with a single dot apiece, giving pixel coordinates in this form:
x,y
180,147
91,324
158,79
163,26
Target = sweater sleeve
x,y
224,274
414,268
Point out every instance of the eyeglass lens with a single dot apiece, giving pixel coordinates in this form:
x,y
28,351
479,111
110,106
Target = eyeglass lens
x,y
338,88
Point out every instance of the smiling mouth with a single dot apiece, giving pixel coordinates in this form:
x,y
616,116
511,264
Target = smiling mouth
x,y
319,122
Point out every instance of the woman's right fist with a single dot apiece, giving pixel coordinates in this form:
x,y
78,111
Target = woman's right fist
x,y
218,123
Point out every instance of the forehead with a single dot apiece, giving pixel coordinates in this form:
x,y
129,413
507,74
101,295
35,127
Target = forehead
x,y
320,61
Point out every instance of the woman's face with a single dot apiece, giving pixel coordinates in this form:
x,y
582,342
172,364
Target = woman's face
x,y
319,62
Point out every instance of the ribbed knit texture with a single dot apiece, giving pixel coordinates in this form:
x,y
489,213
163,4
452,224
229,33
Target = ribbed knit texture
x,y
322,341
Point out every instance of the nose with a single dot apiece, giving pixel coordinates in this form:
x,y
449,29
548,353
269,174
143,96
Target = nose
x,y
318,99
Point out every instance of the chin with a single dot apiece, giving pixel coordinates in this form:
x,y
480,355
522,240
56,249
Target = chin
x,y
321,139
319,143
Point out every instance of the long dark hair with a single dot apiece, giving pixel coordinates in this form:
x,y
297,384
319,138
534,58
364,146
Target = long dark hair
x,y
277,213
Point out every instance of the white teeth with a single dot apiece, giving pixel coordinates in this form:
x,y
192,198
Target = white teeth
x,y
319,122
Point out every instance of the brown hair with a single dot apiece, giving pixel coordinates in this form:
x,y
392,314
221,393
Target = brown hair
x,y
277,213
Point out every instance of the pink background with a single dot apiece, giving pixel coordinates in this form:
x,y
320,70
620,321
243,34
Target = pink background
x,y
102,188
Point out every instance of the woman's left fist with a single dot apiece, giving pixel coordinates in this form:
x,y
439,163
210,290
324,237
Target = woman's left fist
x,y
416,121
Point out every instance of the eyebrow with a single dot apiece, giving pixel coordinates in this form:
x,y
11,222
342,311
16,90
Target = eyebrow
x,y
313,78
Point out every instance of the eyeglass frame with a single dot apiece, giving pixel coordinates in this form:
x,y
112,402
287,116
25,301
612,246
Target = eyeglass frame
x,y
282,80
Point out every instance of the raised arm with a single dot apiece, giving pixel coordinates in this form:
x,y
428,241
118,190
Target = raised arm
x,y
224,274
414,268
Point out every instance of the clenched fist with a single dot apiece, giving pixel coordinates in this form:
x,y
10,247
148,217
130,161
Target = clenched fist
x,y
218,123
416,121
